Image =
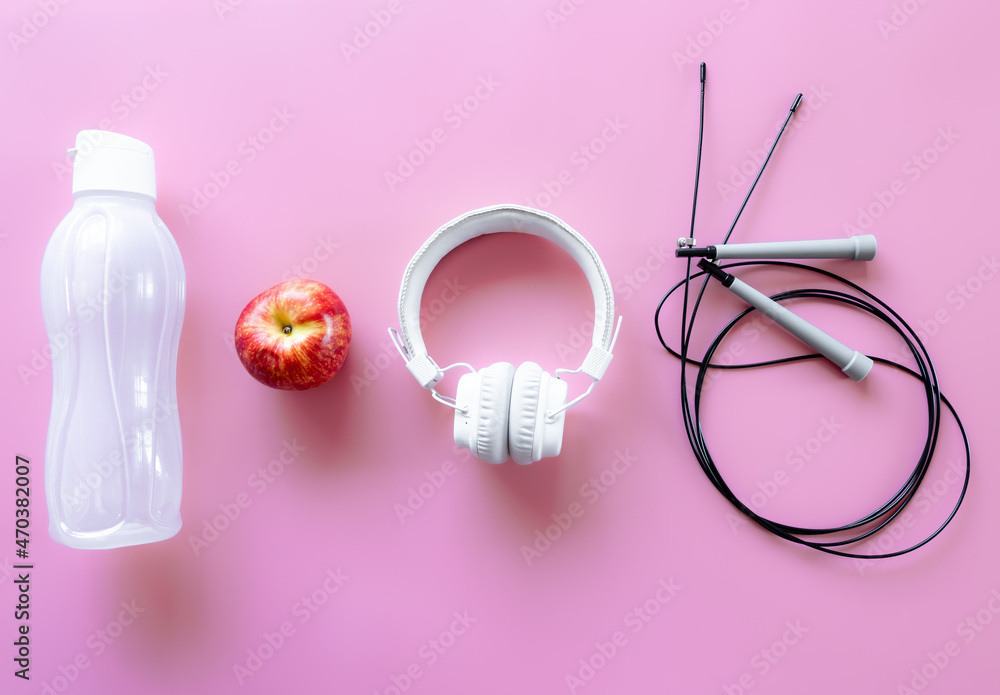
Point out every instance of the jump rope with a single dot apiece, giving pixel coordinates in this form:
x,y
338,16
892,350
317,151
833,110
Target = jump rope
x,y
838,540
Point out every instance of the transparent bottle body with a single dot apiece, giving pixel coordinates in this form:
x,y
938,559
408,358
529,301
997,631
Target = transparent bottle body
x,y
113,303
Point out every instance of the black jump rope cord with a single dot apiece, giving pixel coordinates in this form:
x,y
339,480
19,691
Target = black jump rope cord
x,y
870,524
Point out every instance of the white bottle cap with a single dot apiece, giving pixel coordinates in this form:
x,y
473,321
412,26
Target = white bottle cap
x,y
106,161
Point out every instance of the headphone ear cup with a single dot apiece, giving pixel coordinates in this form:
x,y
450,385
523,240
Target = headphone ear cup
x,y
524,402
533,394
485,426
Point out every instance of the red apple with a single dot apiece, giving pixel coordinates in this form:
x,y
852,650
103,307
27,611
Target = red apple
x,y
294,336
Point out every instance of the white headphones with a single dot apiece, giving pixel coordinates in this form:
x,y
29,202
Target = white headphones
x,y
501,412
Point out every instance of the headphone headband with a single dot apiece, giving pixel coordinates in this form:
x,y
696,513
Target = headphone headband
x,y
491,220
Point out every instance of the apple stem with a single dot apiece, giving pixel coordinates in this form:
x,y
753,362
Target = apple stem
x,y
287,330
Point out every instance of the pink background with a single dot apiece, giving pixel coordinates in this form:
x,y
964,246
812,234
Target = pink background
x,y
728,608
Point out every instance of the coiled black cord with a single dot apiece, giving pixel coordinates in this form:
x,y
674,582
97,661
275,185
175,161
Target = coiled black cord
x,y
870,524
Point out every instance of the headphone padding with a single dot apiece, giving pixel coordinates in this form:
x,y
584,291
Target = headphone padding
x,y
524,403
493,418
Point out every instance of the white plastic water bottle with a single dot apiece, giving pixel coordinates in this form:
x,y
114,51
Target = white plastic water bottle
x,y
113,302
